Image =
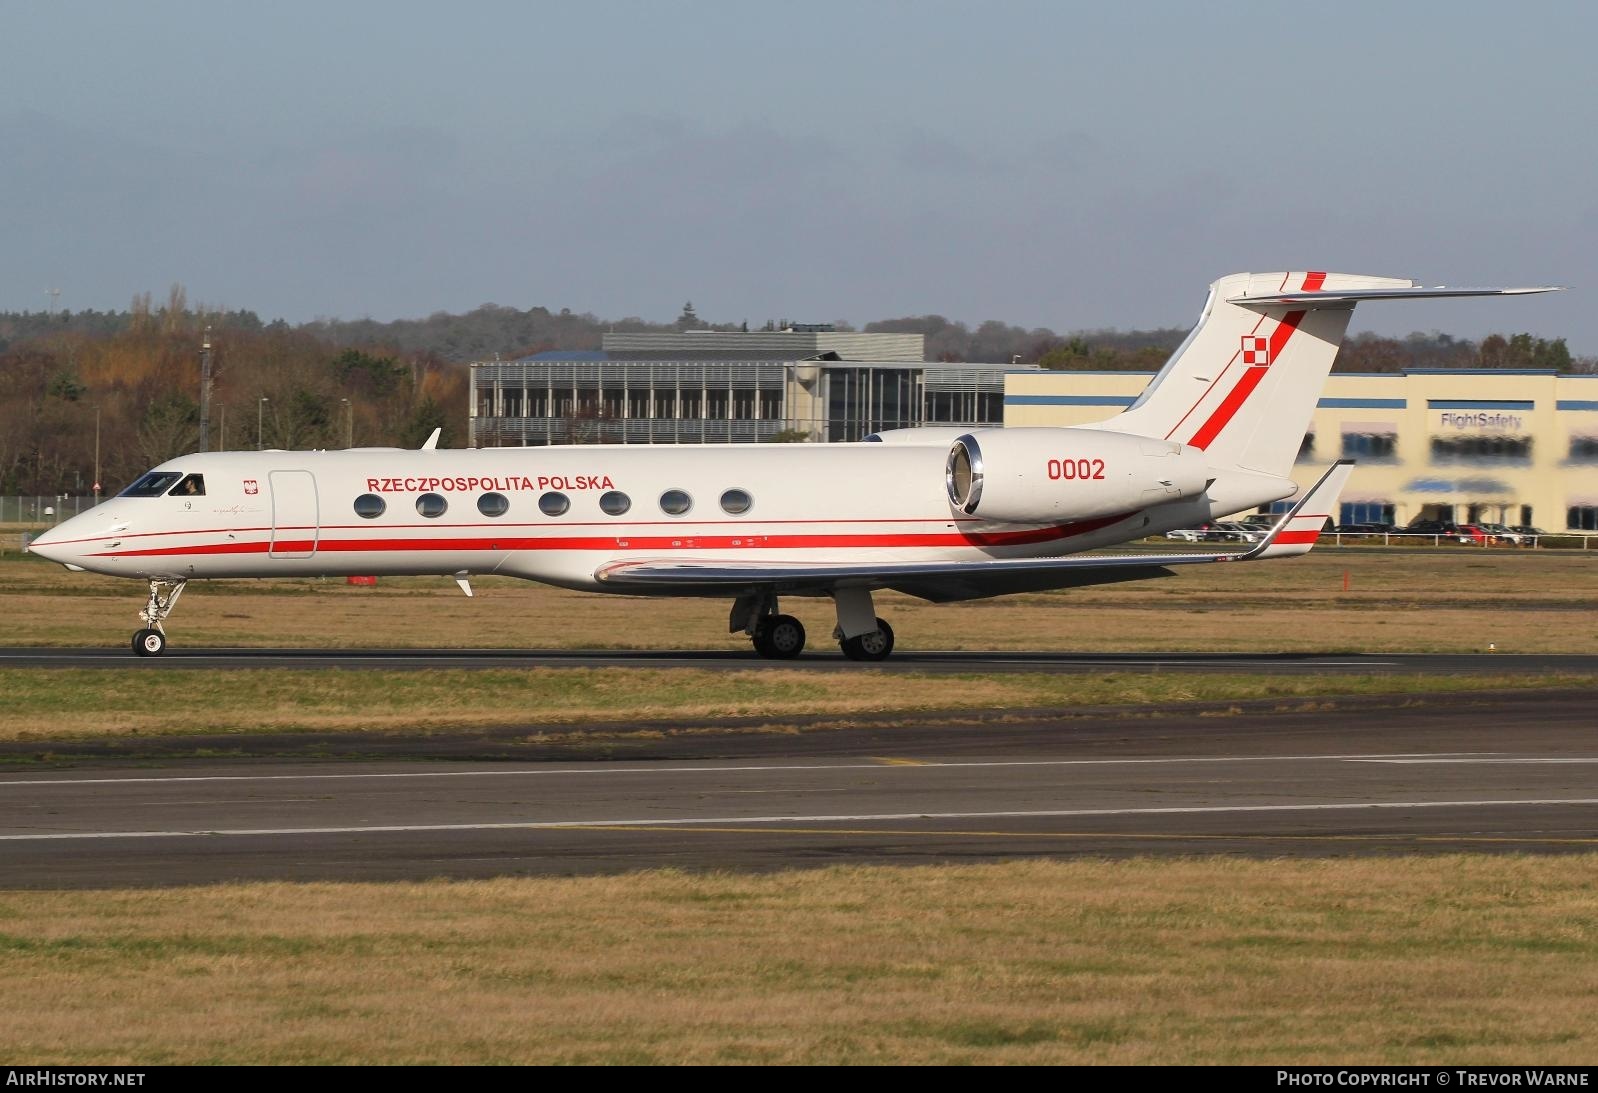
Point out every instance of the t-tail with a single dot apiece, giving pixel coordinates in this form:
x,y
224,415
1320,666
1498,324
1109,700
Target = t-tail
x,y
1244,384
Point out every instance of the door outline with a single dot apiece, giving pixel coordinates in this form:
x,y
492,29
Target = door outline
x,y
294,511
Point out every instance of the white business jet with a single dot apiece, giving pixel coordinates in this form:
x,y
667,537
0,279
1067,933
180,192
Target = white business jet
x,y
940,513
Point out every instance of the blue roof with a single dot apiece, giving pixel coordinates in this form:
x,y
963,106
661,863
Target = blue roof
x,y
567,355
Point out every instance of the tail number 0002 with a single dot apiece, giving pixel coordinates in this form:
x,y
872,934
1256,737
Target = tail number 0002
x,y
1076,468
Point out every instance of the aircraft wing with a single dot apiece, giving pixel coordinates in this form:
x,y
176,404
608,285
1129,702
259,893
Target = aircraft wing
x,y
944,581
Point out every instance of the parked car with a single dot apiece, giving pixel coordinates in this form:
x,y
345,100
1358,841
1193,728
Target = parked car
x,y
1235,531
1471,534
1505,535
1429,527
1527,531
1218,531
1363,529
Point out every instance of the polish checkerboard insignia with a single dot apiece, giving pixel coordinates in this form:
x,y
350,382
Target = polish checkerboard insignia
x,y
1256,350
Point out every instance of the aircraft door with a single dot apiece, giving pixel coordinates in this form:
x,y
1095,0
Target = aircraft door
x,y
294,514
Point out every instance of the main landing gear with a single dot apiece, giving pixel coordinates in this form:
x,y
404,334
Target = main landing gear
x,y
859,633
151,641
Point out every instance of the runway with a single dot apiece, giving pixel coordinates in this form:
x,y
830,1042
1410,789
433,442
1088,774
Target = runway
x,y
1501,772
829,660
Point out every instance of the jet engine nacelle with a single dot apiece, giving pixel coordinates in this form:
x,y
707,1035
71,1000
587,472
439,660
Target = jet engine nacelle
x,y
1038,475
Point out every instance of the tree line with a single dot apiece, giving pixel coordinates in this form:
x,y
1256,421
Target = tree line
x,y
132,378
130,388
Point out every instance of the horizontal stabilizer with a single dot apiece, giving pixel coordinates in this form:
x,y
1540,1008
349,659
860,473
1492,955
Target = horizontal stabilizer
x,y
1335,298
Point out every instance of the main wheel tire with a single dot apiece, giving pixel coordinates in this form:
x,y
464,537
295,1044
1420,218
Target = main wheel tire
x,y
149,643
779,637
873,646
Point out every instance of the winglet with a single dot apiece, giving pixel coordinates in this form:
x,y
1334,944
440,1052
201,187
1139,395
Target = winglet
x,y
1297,531
432,441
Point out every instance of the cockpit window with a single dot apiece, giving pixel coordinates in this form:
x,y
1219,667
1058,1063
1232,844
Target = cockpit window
x,y
192,486
153,484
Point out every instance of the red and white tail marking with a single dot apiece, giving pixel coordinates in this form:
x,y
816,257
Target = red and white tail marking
x,y
1300,529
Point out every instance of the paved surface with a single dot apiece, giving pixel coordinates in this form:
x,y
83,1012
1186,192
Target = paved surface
x,y
178,659
1505,772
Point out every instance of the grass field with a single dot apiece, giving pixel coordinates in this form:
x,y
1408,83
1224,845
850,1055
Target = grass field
x,y
87,703
1447,960
1446,600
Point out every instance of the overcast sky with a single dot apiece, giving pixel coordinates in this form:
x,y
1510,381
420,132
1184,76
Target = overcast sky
x,y
1040,163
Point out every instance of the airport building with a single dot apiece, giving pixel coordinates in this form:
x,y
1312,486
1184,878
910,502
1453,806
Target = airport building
x,y
1468,446
711,387
1498,446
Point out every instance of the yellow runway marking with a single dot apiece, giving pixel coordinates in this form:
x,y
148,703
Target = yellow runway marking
x,y
889,761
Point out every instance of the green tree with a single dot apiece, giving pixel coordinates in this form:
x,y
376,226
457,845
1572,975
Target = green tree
x,y
427,416
170,428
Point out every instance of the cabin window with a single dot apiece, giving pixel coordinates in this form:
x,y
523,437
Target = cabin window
x,y
153,484
554,504
192,486
675,502
431,505
493,504
369,506
736,502
614,503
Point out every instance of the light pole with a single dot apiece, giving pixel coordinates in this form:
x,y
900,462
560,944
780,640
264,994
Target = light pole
x,y
260,411
96,455
205,392
349,423
221,445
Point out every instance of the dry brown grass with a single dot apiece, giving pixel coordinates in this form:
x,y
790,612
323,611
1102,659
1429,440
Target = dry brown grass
x,y
1441,601
1447,960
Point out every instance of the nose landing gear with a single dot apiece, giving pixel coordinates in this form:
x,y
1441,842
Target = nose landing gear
x,y
151,641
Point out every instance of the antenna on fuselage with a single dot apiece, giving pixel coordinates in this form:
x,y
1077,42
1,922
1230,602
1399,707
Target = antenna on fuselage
x,y
432,442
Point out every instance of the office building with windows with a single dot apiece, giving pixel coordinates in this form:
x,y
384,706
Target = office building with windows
x,y
1467,446
705,387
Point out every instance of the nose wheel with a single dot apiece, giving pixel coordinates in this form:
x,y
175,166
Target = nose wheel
x,y
151,641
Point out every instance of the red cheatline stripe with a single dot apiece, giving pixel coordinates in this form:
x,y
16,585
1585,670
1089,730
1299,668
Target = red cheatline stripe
x,y
1246,383
497,524
1313,282
1291,538
624,542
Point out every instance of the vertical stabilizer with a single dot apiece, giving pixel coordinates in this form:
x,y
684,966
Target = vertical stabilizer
x,y
1244,384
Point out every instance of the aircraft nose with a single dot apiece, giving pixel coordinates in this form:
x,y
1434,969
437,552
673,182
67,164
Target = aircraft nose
x,y
49,545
